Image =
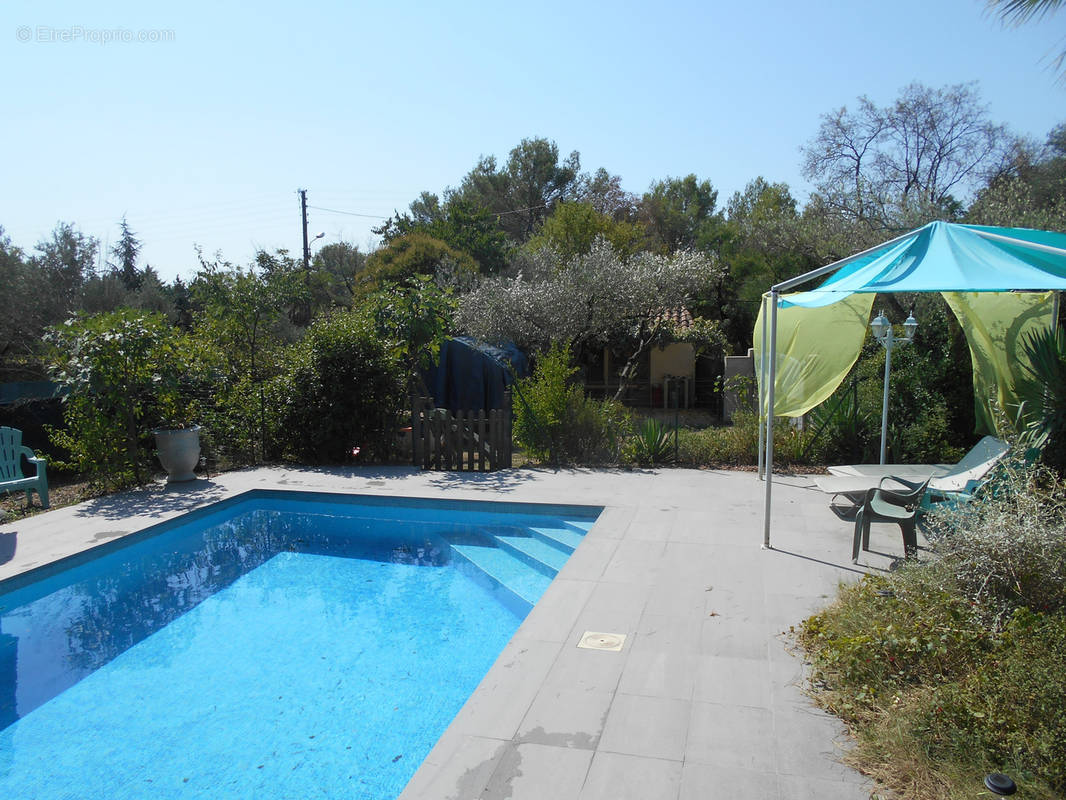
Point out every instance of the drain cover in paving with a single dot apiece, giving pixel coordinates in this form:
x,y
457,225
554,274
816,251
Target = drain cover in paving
x,y
602,641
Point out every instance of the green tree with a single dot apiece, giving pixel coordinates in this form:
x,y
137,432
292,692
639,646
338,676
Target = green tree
x,y
524,192
1032,193
413,319
125,253
573,228
604,193
760,246
40,290
22,325
680,214
407,256
339,263
66,260
460,222
243,314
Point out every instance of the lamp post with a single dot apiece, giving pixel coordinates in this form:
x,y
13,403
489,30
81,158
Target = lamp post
x,y
882,330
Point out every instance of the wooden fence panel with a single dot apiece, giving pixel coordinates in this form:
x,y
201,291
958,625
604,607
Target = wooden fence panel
x,y
460,440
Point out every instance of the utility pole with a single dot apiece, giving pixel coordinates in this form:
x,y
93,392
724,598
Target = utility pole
x,y
303,215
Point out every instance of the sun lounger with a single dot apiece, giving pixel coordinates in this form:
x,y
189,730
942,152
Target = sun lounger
x,y
956,479
988,450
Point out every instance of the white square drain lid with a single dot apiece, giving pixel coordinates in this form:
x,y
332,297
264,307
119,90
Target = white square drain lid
x,y
592,640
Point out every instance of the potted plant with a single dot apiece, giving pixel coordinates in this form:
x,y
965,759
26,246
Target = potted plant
x,y
177,436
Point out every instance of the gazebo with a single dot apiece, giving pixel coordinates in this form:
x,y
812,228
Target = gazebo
x,y
1000,283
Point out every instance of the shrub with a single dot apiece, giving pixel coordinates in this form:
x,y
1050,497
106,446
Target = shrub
x,y
1010,708
1007,551
123,371
340,389
241,421
738,444
956,666
554,421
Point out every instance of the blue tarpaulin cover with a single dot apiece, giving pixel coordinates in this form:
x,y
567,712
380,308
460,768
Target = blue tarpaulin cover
x,y
472,375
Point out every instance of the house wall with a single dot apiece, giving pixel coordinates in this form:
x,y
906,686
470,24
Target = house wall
x,y
736,367
678,359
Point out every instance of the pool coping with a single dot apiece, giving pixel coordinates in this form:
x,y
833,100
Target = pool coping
x,y
705,688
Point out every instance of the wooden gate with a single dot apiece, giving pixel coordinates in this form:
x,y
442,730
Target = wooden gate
x,y
460,440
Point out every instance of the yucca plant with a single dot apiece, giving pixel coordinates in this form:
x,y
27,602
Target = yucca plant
x,y
651,444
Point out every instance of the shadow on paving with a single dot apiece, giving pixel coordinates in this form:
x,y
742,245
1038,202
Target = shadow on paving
x,y
7,546
355,472
153,501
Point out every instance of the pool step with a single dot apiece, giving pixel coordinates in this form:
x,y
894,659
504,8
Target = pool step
x,y
504,574
565,538
545,557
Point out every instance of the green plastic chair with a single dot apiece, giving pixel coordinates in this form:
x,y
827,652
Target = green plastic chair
x,y
11,477
942,498
888,505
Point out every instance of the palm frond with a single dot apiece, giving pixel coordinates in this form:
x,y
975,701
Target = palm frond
x,y
1018,12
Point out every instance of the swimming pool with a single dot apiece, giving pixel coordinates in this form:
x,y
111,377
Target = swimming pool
x,y
275,645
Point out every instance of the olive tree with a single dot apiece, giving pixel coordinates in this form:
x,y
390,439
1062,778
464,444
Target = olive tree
x,y
600,297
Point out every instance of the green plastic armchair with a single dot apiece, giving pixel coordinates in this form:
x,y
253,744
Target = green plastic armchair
x,y
888,505
11,476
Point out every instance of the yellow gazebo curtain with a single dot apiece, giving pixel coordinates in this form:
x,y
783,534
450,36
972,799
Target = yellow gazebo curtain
x,y
816,349
995,324
818,346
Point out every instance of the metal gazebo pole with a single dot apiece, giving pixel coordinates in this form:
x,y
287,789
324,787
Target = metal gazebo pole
x,y
762,394
772,377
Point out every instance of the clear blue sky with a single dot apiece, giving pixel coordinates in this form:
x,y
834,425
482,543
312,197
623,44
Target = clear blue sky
x,y
206,137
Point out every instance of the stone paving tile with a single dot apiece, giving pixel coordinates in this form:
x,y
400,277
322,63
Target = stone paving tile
x,y
731,736
458,768
660,673
538,772
667,632
707,782
653,727
651,523
636,561
589,560
735,604
612,608
587,670
739,681
797,787
809,742
566,718
557,612
502,699
727,638
613,521
696,526
617,777
676,599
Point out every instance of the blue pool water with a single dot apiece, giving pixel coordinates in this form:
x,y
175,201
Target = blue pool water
x,y
273,648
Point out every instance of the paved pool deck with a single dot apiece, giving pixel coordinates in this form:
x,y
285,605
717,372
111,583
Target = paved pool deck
x,y
705,698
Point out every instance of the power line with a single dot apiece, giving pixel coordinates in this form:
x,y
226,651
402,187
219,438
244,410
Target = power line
x,y
378,216
348,213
